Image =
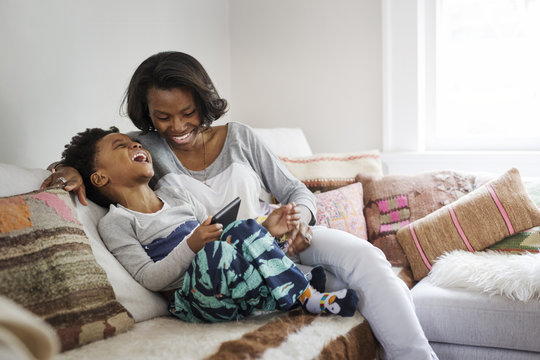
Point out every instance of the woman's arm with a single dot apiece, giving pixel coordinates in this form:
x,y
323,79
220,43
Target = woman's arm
x,y
67,177
285,187
276,177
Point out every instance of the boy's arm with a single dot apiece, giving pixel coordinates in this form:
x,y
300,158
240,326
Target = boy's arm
x,y
156,276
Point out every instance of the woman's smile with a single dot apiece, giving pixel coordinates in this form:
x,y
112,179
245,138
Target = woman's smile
x,y
174,115
182,139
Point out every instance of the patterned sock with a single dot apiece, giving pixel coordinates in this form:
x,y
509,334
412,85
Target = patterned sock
x,y
342,302
317,278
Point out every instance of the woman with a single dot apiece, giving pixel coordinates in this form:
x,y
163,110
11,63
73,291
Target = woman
x,y
172,100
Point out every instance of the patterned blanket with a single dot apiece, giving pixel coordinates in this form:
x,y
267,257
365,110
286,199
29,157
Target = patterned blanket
x,y
294,335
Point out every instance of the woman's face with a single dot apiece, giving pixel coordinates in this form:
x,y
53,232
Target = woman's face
x,y
175,116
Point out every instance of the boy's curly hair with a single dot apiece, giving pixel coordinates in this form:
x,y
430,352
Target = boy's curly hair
x,y
80,154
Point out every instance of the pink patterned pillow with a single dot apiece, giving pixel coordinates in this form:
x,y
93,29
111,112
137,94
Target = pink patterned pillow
x,y
343,209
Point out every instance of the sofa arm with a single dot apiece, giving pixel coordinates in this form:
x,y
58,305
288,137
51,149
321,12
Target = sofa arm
x,y
23,335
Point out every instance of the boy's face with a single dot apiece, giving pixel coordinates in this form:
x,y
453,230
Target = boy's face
x,y
121,161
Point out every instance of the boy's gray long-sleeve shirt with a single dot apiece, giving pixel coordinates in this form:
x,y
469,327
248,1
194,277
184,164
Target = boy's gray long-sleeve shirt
x,y
153,247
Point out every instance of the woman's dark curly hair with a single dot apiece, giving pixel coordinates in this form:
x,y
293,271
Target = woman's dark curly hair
x,y
80,154
167,71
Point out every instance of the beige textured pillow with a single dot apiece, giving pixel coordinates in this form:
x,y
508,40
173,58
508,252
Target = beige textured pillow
x,y
47,266
477,220
324,172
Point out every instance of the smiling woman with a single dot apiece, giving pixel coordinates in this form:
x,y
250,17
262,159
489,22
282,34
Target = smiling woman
x,y
233,161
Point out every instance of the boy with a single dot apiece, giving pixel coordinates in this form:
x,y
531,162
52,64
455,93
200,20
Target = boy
x,y
166,242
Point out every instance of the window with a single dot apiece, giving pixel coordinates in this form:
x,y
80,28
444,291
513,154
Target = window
x,y
461,75
487,76
461,79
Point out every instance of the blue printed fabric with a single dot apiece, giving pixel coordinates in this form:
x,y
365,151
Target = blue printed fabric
x,y
161,247
228,279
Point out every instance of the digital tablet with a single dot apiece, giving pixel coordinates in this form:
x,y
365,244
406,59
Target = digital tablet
x,y
228,214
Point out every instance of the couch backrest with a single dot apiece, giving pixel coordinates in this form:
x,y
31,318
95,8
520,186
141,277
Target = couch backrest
x,y
18,180
289,142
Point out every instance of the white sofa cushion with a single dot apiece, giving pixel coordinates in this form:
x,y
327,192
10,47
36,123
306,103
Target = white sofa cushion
x,y
18,180
142,303
467,317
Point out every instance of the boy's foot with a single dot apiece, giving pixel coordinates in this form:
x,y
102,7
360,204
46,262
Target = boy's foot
x,y
317,278
342,302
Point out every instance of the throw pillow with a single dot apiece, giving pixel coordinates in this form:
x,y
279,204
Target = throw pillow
x,y
47,266
525,241
394,201
528,240
498,209
324,172
343,209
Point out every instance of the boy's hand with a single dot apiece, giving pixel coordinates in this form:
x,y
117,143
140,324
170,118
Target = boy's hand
x,y
283,219
300,239
203,234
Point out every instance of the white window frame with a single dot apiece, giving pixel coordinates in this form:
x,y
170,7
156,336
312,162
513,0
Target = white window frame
x,y
408,83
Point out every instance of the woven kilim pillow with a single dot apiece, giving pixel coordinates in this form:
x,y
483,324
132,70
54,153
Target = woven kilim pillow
x,y
325,172
525,241
492,212
394,201
47,266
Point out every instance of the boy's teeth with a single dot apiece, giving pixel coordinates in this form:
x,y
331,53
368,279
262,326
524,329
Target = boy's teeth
x,y
139,157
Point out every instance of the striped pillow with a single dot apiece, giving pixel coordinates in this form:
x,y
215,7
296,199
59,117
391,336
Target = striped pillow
x,y
475,221
528,240
47,266
324,172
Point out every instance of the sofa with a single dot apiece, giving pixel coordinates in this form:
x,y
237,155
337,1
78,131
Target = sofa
x,y
77,302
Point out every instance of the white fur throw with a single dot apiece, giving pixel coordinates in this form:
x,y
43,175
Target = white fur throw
x,y
491,272
275,335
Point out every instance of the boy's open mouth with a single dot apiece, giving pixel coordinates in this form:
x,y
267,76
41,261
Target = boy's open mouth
x,y
140,156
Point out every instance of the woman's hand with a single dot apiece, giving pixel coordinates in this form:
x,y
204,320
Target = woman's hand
x,y
203,234
68,178
283,219
300,238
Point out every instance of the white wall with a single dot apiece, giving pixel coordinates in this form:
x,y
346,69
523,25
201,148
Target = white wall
x,y
65,64
310,64
313,64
